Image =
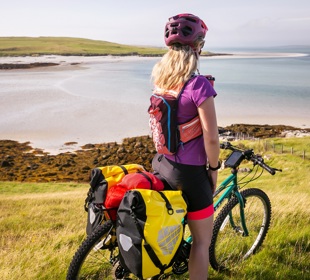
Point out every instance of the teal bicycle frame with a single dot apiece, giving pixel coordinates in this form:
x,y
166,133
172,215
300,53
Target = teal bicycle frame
x,y
230,187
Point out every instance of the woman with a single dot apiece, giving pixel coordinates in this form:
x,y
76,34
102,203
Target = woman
x,y
186,170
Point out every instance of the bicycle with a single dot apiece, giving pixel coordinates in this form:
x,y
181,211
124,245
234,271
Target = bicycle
x,y
239,229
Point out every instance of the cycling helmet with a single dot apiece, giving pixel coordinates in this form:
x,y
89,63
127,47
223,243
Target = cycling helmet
x,y
184,29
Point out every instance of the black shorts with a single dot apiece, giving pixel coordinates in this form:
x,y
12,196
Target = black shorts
x,y
193,180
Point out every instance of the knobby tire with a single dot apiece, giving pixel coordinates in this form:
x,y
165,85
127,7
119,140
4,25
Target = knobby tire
x,y
228,245
93,260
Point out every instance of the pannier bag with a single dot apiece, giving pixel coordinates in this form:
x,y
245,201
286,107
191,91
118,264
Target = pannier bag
x,y
103,178
150,231
139,180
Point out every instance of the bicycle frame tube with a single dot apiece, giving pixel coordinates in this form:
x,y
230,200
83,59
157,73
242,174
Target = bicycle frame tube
x,y
230,183
231,186
242,218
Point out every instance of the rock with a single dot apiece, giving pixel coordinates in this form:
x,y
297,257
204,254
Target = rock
x,y
76,166
5,163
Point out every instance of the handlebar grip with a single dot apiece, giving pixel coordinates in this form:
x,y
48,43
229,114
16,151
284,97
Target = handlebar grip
x,y
226,145
266,167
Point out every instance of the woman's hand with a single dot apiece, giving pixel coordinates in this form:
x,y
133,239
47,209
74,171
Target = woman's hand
x,y
213,179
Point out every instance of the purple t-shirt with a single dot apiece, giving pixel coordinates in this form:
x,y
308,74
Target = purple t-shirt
x,y
195,93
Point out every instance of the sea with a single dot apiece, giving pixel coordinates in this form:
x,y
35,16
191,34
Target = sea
x,y
264,86
254,86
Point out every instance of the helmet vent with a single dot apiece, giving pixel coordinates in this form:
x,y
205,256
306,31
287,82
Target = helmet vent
x,y
191,19
187,31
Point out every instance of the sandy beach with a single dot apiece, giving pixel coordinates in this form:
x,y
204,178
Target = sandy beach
x,y
49,117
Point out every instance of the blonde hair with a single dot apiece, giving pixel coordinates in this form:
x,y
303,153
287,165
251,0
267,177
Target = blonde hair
x,y
175,68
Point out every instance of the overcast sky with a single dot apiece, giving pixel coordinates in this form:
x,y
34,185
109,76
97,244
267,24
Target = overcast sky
x,y
231,23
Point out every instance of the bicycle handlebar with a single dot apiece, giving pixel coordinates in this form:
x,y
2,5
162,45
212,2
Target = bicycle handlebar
x,y
249,155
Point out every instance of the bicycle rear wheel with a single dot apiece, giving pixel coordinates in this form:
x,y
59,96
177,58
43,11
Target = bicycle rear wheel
x,y
229,246
96,256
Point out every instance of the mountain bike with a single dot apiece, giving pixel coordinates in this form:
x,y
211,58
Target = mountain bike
x,y
239,229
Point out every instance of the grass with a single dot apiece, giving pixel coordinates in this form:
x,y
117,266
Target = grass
x,y
42,225
24,46
21,46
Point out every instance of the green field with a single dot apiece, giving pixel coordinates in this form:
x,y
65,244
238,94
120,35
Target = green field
x,y
24,46
21,46
42,225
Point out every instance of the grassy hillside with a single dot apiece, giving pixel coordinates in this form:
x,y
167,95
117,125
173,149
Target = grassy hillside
x,y
22,46
16,46
42,224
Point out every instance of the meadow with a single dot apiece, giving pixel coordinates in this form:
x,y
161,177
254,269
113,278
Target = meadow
x,y
23,46
42,224
32,46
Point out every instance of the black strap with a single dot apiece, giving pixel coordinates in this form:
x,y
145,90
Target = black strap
x,y
124,169
154,257
168,204
147,177
147,246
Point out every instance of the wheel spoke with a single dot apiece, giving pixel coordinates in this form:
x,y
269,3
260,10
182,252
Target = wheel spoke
x,y
229,245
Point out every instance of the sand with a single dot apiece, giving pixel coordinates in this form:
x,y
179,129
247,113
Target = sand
x,y
54,117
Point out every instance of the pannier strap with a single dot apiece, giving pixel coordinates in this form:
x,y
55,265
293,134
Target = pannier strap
x,y
168,205
154,257
124,169
147,246
148,178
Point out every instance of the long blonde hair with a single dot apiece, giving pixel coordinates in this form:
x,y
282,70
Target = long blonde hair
x,y
175,68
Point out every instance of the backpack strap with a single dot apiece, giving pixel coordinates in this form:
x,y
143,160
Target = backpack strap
x,y
183,87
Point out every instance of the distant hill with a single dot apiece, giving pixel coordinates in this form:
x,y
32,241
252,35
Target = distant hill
x,y
24,46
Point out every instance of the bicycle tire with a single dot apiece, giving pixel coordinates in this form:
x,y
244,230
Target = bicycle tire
x,y
93,259
228,245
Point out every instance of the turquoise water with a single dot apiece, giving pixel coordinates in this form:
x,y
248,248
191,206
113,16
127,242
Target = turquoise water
x,y
264,90
277,88
106,99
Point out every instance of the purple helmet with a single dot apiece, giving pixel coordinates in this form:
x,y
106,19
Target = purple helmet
x,y
184,29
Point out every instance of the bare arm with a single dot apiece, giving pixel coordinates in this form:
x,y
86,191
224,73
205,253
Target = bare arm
x,y
208,120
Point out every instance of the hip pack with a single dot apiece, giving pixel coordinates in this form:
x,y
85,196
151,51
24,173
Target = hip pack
x,y
150,230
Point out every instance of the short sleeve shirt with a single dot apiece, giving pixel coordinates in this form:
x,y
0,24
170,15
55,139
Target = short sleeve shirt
x,y
194,94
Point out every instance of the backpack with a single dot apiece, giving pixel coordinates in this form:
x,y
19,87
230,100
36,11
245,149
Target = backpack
x,y
166,133
139,180
103,178
149,231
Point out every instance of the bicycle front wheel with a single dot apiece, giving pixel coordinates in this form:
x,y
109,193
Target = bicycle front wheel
x,y
96,256
229,245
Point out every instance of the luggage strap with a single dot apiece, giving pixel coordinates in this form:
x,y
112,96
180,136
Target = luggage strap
x,y
147,246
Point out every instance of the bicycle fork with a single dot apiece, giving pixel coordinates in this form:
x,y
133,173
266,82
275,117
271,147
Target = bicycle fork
x,y
232,188
241,202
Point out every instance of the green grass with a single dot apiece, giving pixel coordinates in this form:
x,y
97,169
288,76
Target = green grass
x,y
21,46
24,46
42,225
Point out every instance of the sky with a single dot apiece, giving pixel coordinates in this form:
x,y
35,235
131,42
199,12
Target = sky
x,y
237,23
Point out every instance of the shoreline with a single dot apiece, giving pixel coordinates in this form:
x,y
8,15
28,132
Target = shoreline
x,y
226,133
35,61
24,163
52,116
